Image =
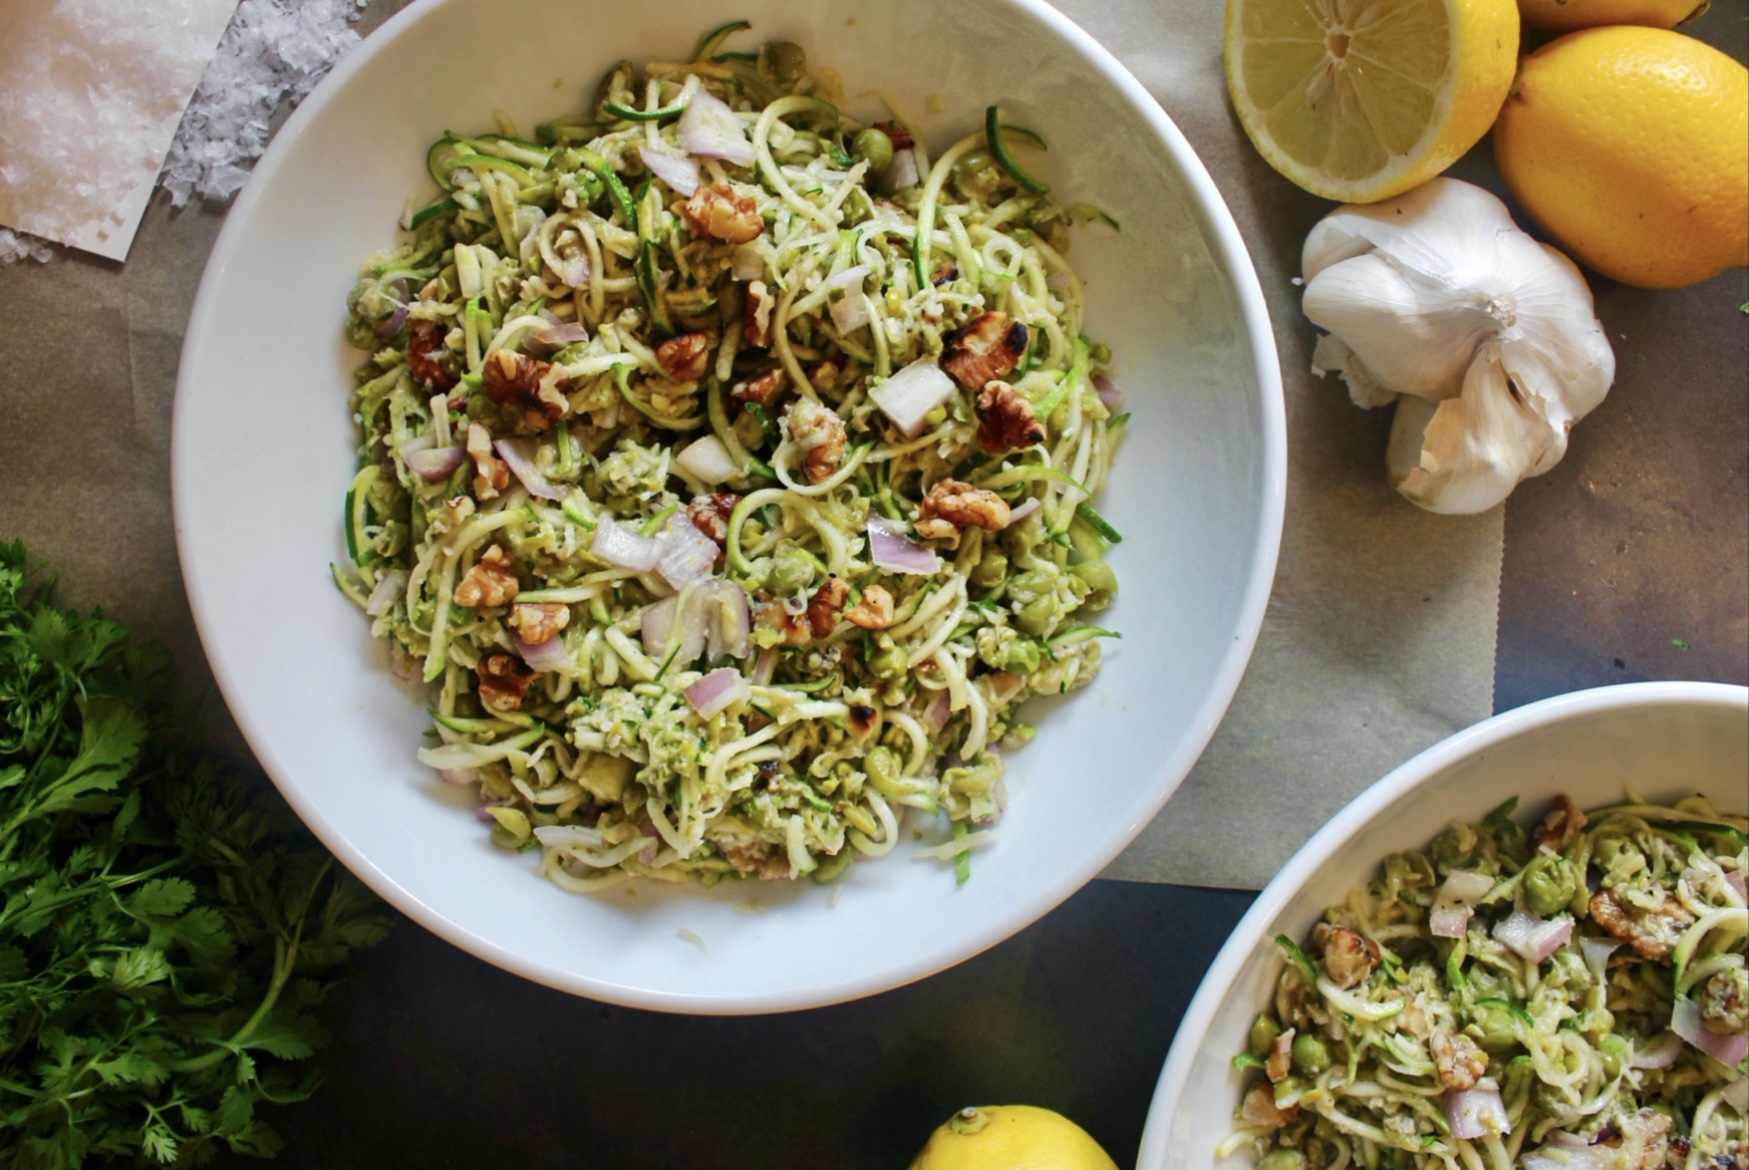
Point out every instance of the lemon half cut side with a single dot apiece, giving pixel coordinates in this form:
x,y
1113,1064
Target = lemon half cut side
x,y
1360,100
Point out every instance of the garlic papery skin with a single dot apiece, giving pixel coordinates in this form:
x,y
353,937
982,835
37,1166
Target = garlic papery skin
x,y
1487,340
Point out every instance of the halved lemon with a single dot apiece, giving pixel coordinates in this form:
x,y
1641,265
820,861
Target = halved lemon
x,y
1360,100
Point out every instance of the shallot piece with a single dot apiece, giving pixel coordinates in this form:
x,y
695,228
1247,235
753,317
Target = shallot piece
x,y
677,170
706,460
1108,393
550,340
710,129
624,548
910,394
1726,1048
1531,936
518,455
1597,952
543,656
720,689
1456,901
1660,1053
849,307
890,548
1022,510
687,554
1478,1112
389,586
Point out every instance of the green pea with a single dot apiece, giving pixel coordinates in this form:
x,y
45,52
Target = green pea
x,y
1264,1030
783,61
873,147
1280,1159
1032,584
1020,656
977,175
990,571
1101,581
1613,1049
889,659
882,765
791,570
1036,617
1549,884
1453,849
1309,1054
1495,1023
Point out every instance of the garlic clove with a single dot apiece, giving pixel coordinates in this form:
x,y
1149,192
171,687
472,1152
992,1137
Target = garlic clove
x,y
1486,339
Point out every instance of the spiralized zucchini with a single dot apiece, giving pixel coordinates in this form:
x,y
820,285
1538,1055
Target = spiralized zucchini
x,y
1562,1000
580,369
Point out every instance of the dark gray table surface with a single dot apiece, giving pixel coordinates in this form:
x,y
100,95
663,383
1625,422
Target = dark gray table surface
x,y
1627,562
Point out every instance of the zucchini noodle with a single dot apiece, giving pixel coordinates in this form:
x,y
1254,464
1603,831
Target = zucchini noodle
x,y
605,348
1564,999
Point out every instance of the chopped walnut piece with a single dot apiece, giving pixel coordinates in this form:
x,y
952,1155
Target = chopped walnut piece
x,y
825,606
428,357
538,621
874,611
864,720
1459,1061
685,357
1644,1143
819,433
770,862
824,376
491,476
951,506
946,273
988,346
756,317
1350,957
1652,933
516,382
1005,419
763,388
710,514
1279,1062
1562,826
1259,1109
722,212
492,581
504,680
772,614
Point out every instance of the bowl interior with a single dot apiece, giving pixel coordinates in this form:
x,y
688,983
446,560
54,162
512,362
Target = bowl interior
x,y
264,449
1667,740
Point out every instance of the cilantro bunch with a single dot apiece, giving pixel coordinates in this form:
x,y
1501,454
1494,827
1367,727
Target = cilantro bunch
x,y
165,932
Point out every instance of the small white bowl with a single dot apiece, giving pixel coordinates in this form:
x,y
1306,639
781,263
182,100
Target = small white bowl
x,y
263,452
1668,740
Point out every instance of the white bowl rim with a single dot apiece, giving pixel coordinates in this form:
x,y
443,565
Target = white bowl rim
x,y
1223,973
1229,252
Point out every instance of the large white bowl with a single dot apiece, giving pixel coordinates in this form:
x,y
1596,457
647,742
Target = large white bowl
x,y
264,449
1668,740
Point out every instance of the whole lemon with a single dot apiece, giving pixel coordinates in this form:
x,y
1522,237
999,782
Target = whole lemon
x,y
1011,1137
1567,15
1630,146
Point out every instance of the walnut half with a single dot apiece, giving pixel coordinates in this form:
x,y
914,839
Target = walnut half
x,y
951,506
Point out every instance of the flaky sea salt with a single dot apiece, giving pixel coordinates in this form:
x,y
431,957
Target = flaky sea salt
x,y
275,51
272,54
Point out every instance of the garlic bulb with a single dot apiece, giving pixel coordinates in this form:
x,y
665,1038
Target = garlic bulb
x,y
1486,339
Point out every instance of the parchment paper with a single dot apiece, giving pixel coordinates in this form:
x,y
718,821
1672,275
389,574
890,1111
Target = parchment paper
x,y
1378,643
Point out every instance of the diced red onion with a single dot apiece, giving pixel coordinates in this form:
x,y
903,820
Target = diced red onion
x,y
728,619
388,588
909,395
1533,937
547,655
848,306
746,263
548,341
939,712
518,454
1597,952
1108,393
710,129
435,463
1477,1112
686,553
1660,1053
1456,901
1727,1049
1022,510
706,460
889,548
621,546
717,691
764,667
678,171
1736,881
900,173
391,325
657,629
